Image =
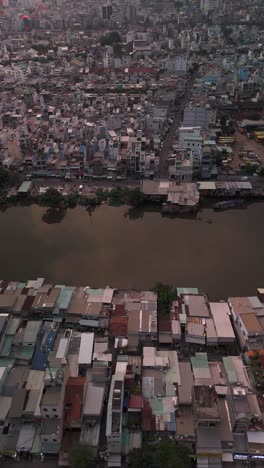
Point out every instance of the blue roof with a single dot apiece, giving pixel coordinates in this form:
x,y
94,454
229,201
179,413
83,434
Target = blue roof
x,y
39,361
171,427
50,340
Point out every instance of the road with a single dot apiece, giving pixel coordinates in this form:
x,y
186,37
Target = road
x,y
28,464
170,137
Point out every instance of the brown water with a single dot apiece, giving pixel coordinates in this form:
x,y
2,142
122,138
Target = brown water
x,y
223,258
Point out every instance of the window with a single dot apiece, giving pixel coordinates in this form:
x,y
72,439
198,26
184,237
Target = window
x,y
45,440
54,409
46,415
54,440
45,409
55,415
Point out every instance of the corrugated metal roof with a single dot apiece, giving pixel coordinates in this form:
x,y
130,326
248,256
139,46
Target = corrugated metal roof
x,y
187,291
65,296
255,302
12,326
5,403
5,351
24,352
108,296
24,187
62,348
26,437
200,360
86,348
31,331
206,185
230,370
89,323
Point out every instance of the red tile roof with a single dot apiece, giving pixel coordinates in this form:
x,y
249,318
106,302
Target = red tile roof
x,y
118,326
135,402
118,311
164,325
73,400
148,420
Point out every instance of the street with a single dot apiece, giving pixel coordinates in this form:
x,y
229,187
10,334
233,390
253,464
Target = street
x,y
171,135
7,463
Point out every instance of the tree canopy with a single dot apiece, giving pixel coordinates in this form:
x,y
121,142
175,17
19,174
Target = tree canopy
x,y
167,453
135,197
52,198
110,38
81,456
166,295
3,178
8,178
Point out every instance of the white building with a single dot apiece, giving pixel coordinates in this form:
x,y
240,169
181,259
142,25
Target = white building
x,y
210,5
199,115
190,138
108,57
221,316
51,403
86,351
114,422
177,64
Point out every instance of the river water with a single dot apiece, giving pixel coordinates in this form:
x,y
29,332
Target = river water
x,y
130,249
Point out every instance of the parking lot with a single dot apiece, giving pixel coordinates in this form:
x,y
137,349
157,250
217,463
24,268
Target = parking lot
x,y
243,141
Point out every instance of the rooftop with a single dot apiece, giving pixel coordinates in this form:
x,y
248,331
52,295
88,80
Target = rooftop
x,y
206,403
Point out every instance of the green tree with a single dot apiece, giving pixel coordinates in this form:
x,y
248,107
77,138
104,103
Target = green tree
x,y
166,295
4,178
8,178
135,197
178,5
111,38
141,458
167,453
52,198
81,456
171,454
72,199
101,195
223,121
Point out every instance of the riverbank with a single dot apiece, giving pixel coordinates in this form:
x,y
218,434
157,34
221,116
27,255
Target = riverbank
x,y
60,197
57,203
55,199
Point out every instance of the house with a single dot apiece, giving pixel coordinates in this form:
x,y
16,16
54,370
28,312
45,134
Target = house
x,y
73,402
198,115
142,324
206,408
248,319
92,413
221,317
50,436
31,332
85,352
115,419
51,402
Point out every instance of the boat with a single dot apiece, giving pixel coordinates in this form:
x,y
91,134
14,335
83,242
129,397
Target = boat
x,y
225,205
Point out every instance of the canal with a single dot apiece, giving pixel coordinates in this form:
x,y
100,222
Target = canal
x,y
220,253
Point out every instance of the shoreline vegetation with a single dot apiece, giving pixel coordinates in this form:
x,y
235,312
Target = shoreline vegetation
x,y
53,198
57,203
